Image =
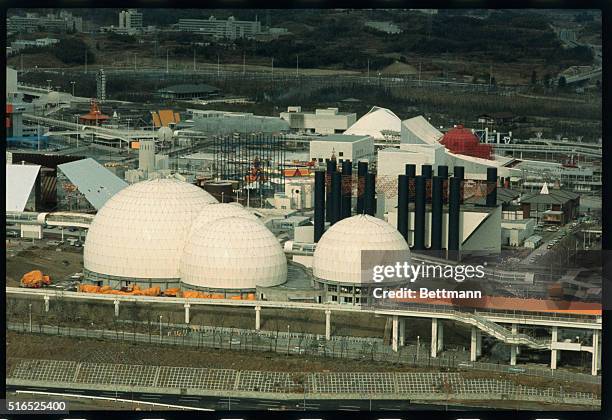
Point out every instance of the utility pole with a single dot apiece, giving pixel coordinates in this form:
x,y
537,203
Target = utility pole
x,y
73,83
166,60
297,65
194,59
218,66
419,73
368,70
272,68
243,64
21,61
134,62
490,75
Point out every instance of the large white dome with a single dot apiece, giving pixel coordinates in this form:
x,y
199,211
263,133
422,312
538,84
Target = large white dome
x,y
375,122
338,253
233,253
141,231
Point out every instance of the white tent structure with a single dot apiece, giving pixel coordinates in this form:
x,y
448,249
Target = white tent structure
x,y
20,180
418,130
376,123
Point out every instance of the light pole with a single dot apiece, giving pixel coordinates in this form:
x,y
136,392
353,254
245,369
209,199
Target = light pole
x,y
288,339
160,328
418,346
30,306
73,83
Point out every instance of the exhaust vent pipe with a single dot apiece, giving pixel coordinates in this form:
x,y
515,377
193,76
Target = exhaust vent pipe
x,y
436,213
426,171
331,168
491,187
336,193
454,208
370,195
319,215
419,214
402,205
443,171
347,189
362,171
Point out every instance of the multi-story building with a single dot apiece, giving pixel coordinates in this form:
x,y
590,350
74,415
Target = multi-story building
x,y
321,121
32,22
130,21
230,28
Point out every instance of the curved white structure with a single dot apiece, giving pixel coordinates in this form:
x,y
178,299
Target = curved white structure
x,y
234,253
375,122
220,211
140,232
337,257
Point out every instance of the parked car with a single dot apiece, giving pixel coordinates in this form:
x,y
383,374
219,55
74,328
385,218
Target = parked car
x,y
12,234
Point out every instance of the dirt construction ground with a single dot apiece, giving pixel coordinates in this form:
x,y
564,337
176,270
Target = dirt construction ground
x,y
22,256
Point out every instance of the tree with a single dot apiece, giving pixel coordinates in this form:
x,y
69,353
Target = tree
x,y
534,77
562,82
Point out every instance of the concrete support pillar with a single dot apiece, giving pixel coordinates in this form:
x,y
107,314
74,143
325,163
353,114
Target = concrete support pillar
x,y
116,302
46,303
473,345
440,336
328,324
434,337
596,353
554,351
187,306
402,332
476,344
394,338
257,318
513,347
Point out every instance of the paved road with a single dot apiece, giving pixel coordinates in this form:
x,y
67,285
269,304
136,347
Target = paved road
x,y
236,404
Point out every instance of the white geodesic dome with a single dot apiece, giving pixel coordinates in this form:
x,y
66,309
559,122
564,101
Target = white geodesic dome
x,y
141,231
337,256
220,211
233,253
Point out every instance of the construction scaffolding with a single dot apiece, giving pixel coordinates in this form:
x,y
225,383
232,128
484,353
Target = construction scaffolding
x,y
255,161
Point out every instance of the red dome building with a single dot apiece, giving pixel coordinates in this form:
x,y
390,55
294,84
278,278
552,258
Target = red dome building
x,y
462,141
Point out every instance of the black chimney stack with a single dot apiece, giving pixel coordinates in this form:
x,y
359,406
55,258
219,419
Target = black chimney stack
x,y
411,170
443,171
454,208
402,205
491,187
336,193
459,172
329,207
362,171
426,171
319,215
347,189
436,213
419,214
370,195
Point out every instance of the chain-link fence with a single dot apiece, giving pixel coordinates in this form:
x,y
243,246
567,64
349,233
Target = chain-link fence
x,y
356,348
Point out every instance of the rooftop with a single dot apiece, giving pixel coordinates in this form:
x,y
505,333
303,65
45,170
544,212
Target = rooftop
x,y
345,138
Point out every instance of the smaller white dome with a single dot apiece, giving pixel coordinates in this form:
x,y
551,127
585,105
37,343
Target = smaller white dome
x,y
233,253
218,211
337,256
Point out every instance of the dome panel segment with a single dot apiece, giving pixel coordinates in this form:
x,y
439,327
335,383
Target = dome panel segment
x,y
220,211
141,231
236,253
337,256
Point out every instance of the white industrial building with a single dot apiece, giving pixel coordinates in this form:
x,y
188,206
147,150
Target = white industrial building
x,y
379,123
130,21
217,28
321,121
342,147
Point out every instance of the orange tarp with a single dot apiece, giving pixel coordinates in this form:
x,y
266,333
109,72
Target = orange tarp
x,y
34,279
